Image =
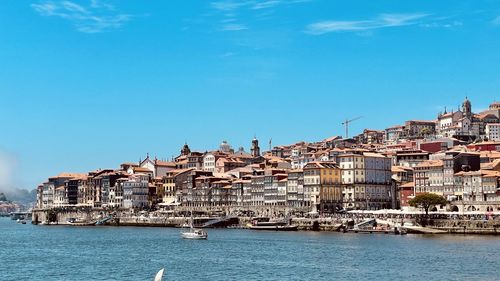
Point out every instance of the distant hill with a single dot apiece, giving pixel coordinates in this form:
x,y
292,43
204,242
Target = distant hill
x,y
2,197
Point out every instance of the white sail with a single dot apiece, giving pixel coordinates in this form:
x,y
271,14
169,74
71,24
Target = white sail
x,y
159,275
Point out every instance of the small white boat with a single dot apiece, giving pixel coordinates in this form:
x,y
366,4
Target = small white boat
x,y
159,275
195,233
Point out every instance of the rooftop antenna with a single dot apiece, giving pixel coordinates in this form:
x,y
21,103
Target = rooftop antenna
x,y
346,124
270,144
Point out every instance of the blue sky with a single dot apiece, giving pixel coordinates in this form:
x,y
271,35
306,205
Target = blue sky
x,y
91,84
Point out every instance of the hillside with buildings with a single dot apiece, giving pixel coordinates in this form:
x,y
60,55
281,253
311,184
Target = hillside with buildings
x,y
457,155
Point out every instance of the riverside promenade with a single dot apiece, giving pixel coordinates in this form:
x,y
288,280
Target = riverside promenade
x,y
436,223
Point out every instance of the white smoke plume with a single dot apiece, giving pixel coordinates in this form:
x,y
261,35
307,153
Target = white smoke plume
x,y
8,164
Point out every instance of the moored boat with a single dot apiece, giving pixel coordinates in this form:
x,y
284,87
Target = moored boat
x,y
260,224
194,233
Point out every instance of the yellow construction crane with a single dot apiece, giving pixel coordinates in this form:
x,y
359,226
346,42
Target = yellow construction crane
x,y
346,124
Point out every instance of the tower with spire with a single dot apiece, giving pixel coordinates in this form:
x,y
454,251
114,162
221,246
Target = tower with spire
x,y
467,108
185,149
255,150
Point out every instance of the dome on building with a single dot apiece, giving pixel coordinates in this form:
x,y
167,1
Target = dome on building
x,y
225,147
495,105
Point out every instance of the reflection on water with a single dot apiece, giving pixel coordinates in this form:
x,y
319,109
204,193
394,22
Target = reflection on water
x,y
126,253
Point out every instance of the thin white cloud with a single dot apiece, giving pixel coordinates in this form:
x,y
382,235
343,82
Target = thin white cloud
x,y
233,27
232,5
231,9
382,21
265,4
101,4
229,5
441,24
95,17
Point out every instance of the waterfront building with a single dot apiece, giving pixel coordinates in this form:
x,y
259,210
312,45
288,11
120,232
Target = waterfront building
x,y
55,191
322,186
281,194
168,193
429,177
371,137
47,198
393,134
480,190
188,186
195,160
107,183
60,199
221,193
271,178
406,193
485,146
204,193
226,164
402,174
366,179
409,158
247,191
135,191
237,191
295,188
210,158
73,186
454,162
419,128
39,197
83,190
162,167
492,132
438,145
115,197
257,190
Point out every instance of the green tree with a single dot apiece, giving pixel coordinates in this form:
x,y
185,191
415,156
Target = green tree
x,y
425,132
427,200
2,197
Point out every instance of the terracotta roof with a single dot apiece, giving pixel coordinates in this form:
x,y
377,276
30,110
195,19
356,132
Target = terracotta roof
x,y
431,163
164,163
141,170
324,165
422,121
69,175
396,169
371,154
332,138
486,114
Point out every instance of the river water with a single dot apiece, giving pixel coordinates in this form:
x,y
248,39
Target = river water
x,y
29,252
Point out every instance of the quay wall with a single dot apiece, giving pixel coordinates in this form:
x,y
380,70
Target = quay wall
x,y
61,216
